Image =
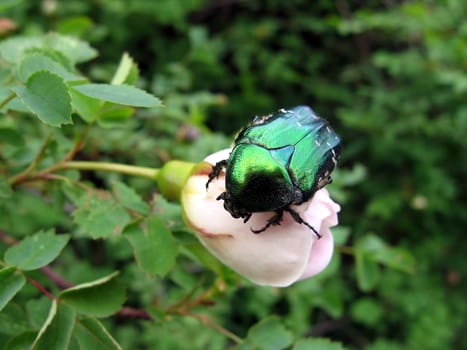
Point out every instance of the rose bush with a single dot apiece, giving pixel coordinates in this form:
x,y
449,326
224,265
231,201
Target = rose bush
x,y
279,256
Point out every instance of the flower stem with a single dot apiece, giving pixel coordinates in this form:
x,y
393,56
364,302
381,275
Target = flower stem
x,y
150,173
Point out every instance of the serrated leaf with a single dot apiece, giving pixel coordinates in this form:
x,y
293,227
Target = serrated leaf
x,y
127,71
121,94
99,298
57,329
270,334
47,96
36,251
10,284
100,217
92,334
38,61
317,344
129,198
154,247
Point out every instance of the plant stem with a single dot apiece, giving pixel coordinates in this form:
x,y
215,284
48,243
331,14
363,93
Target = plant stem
x,y
113,167
6,100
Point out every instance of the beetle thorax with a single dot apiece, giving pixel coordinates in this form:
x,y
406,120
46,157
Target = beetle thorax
x,y
256,181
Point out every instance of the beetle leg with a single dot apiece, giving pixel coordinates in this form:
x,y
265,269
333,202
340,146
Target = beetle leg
x,y
216,170
299,219
274,220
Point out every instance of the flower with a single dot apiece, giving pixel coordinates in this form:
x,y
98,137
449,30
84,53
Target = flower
x,y
279,256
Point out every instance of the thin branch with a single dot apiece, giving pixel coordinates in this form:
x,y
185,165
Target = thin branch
x,y
210,323
25,173
130,312
6,100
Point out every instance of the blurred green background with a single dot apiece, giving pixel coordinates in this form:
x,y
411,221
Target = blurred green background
x,y
391,78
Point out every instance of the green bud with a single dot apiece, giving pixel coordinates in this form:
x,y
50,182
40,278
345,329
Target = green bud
x,y
172,177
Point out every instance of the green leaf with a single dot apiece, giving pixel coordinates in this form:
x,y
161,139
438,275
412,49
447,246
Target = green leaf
x,y
127,71
5,188
22,341
129,198
11,136
367,311
270,334
47,96
57,329
36,251
10,284
317,344
13,320
100,217
12,49
113,115
87,107
92,334
74,49
154,247
121,94
99,298
368,272
38,61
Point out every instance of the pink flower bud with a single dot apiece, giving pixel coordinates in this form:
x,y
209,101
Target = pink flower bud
x,y
279,256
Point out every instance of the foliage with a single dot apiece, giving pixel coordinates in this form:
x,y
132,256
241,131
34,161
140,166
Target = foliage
x,y
95,259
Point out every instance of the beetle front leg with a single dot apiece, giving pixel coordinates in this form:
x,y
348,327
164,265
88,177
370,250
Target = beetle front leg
x,y
274,220
299,220
216,170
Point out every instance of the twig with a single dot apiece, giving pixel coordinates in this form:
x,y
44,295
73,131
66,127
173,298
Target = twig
x,y
6,100
130,312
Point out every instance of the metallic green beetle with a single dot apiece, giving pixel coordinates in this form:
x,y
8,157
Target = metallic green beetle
x,y
278,160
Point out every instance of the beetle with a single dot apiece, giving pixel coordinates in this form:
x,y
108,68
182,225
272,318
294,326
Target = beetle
x,y
278,160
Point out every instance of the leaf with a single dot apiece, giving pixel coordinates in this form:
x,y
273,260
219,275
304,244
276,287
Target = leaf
x,y
57,329
87,107
47,96
317,344
127,71
13,320
99,298
100,217
154,247
92,334
129,198
75,50
38,61
36,251
12,49
270,334
5,188
22,341
10,284
367,270
11,136
121,94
